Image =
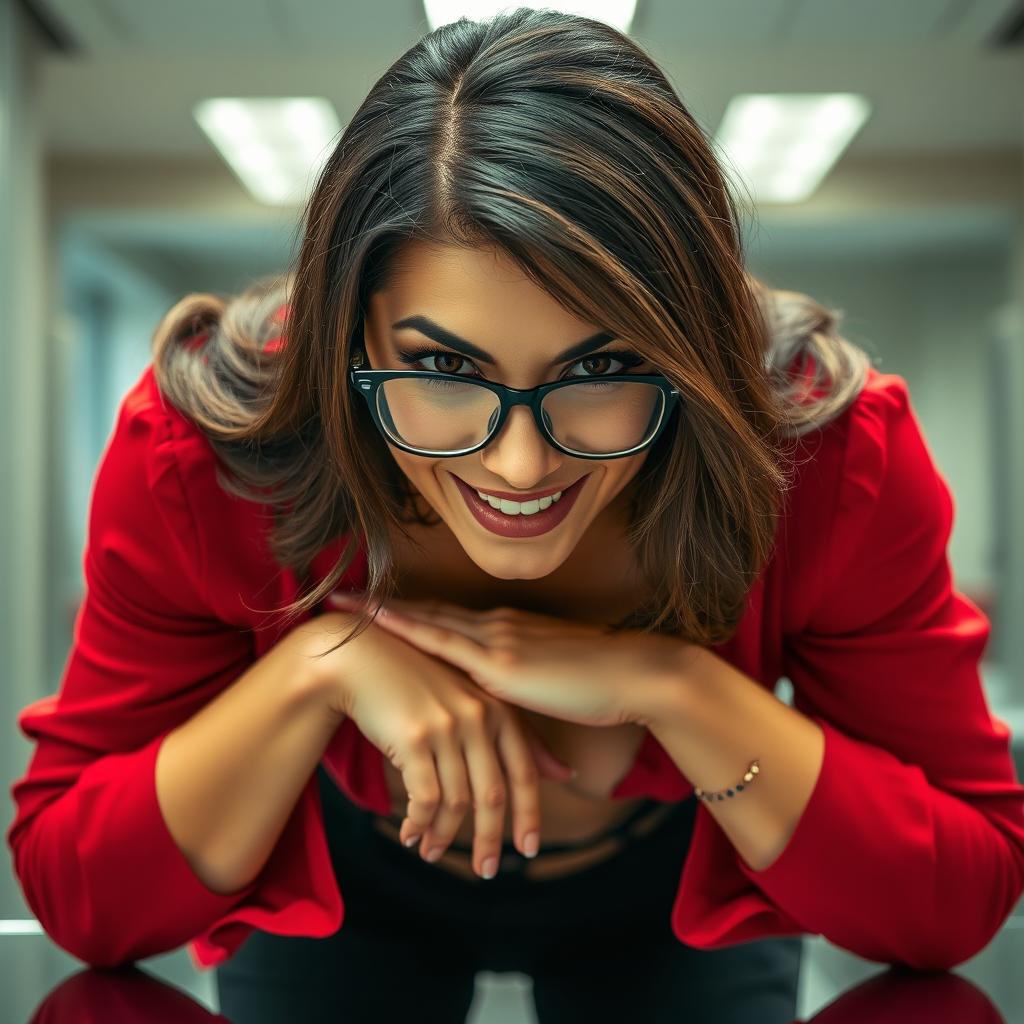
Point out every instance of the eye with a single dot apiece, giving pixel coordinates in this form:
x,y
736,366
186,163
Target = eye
x,y
414,356
594,366
626,358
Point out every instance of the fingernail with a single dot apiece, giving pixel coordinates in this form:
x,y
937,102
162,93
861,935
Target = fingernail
x,y
490,867
412,840
435,854
531,843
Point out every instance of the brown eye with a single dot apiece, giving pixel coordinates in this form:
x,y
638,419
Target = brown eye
x,y
601,361
420,359
453,364
616,361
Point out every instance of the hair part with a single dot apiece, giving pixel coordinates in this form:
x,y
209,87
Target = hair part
x,y
556,140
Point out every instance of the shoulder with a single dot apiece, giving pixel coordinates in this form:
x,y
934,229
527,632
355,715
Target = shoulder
x,y
159,454
885,474
159,477
852,453
864,425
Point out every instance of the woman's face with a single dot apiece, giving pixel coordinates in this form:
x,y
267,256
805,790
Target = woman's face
x,y
481,296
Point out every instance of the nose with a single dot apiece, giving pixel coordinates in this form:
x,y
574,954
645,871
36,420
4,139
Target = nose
x,y
520,454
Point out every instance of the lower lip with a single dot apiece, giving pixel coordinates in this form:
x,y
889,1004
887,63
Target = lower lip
x,y
520,525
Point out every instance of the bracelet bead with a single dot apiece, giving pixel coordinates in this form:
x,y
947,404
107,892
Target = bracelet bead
x,y
748,776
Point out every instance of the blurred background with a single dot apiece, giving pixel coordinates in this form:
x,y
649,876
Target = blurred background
x,y
122,188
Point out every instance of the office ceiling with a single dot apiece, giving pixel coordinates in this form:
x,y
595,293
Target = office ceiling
x,y
945,79
132,69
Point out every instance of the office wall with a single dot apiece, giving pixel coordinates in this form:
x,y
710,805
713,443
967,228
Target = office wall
x,y
25,434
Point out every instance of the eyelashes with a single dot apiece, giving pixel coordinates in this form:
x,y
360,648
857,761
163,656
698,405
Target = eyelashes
x,y
628,359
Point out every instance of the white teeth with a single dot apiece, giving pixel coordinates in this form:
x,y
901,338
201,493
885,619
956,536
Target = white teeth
x,y
517,508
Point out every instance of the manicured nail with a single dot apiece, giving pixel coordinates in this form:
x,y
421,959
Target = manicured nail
x,y
531,843
412,840
490,867
435,854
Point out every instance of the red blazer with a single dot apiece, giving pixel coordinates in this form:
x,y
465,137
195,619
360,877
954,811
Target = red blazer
x,y
911,849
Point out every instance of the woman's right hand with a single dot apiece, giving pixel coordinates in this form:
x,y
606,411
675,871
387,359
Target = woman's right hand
x,y
455,745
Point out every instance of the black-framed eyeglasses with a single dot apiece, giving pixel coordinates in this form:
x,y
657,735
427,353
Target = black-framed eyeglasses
x,y
444,415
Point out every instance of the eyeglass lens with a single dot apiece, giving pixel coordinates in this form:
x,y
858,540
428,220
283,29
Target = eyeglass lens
x,y
591,418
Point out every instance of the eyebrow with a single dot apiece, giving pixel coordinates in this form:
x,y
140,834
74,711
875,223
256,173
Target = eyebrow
x,y
433,330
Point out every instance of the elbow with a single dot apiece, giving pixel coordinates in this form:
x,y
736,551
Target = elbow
x,y
961,930
67,916
94,952
946,954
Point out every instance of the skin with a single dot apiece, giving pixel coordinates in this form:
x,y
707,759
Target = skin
x,y
481,295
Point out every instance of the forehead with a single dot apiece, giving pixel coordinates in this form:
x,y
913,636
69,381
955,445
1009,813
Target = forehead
x,y
480,294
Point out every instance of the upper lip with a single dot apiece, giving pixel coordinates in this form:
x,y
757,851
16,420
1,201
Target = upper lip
x,y
518,497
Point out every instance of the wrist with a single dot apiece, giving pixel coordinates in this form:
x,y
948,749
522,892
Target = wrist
x,y
671,695
319,678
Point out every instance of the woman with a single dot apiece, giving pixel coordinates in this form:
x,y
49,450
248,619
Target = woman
x,y
591,588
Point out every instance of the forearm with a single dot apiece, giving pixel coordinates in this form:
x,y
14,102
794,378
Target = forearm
x,y
713,720
229,777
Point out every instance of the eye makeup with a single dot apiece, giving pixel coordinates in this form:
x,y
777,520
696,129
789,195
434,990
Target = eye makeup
x,y
410,357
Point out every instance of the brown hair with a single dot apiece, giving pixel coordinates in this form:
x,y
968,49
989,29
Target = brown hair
x,y
556,139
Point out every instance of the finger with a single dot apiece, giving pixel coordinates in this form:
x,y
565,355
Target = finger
x,y
430,608
448,644
472,628
420,778
456,794
524,783
490,796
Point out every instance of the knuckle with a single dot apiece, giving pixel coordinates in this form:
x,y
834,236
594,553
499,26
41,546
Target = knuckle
x,y
493,795
428,801
506,657
500,613
474,711
501,626
458,803
444,724
417,734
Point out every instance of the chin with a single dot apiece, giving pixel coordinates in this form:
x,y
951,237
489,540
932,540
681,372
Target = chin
x,y
516,565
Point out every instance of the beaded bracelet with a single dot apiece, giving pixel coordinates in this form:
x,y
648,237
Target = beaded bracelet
x,y
723,793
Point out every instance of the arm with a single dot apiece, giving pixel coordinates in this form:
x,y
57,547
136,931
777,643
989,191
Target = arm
x,y
714,721
909,847
228,779
153,672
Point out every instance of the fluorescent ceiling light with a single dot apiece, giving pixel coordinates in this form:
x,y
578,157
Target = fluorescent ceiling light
x,y
277,147
782,145
617,13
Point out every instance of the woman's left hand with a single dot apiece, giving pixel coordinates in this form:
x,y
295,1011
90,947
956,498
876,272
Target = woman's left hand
x,y
568,670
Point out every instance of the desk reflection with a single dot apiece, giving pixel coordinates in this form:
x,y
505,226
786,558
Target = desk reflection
x,y
980,991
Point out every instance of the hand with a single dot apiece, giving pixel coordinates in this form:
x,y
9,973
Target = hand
x,y
568,670
454,745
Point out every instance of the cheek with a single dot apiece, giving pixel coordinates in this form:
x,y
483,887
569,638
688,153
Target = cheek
x,y
620,472
620,477
418,472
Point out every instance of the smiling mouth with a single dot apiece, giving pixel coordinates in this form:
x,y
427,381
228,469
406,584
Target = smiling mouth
x,y
520,498
516,523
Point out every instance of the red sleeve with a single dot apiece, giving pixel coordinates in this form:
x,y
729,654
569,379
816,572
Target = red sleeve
x,y
911,848
96,862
